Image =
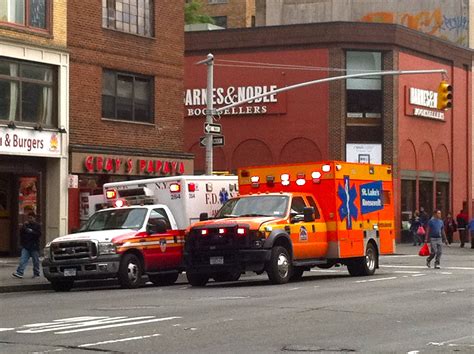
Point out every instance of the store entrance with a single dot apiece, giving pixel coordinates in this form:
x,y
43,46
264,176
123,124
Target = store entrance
x,y
18,197
7,215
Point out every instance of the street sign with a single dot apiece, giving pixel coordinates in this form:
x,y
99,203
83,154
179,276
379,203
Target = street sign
x,y
217,140
210,128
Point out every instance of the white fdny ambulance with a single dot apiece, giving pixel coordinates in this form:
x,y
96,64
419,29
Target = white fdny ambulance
x,y
142,232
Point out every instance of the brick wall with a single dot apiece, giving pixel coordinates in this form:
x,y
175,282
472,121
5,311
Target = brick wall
x,y
93,48
57,36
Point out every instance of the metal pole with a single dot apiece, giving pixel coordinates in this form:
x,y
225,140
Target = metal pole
x,y
210,107
332,78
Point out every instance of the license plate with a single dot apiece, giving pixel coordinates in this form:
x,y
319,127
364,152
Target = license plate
x,y
216,260
70,272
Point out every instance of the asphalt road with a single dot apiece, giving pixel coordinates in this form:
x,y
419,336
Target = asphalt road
x,y
403,308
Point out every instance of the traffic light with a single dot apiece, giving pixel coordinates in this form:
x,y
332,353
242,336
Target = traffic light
x,y
445,95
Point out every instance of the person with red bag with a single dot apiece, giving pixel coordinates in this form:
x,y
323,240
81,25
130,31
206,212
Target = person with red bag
x,y
436,236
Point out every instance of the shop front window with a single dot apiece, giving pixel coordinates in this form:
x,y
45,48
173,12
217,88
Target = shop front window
x,y
27,93
425,196
442,197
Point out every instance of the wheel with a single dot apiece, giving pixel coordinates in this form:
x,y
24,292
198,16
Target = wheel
x,y
62,285
296,273
130,272
163,279
364,265
227,276
279,266
196,279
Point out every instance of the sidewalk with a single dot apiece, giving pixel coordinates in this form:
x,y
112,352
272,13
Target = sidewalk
x,y
28,283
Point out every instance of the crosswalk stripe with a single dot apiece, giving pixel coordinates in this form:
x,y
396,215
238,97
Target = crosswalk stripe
x,y
117,325
100,321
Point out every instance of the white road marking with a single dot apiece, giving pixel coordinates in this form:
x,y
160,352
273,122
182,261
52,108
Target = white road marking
x,y
6,329
399,255
377,279
66,325
293,289
424,267
413,352
119,340
328,270
117,325
418,275
439,344
407,271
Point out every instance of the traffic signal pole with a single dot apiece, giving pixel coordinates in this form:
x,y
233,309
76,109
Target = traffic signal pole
x,y
333,78
209,61
210,111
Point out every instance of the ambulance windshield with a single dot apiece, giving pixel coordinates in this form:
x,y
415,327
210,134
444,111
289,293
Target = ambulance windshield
x,y
110,219
259,205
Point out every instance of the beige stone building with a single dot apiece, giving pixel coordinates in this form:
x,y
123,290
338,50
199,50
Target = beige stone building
x,y
34,80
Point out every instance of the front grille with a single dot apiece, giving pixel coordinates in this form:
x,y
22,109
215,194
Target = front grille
x,y
73,250
215,241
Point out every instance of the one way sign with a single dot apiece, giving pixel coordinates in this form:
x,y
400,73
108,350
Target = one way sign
x,y
217,140
210,128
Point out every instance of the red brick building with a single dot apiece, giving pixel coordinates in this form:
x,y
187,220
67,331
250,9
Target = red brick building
x,y
384,119
126,84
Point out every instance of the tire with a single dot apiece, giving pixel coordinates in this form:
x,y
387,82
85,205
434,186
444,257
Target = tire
x,y
62,285
227,276
196,279
296,273
163,279
279,267
130,272
364,266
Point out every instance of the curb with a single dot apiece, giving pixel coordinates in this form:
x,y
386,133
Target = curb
x,y
24,287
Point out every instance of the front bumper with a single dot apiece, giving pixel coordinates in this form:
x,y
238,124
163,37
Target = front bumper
x,y
102,267
235,260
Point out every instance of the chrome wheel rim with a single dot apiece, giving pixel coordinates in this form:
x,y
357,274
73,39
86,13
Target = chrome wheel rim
x,y
283,265
132,272
370,258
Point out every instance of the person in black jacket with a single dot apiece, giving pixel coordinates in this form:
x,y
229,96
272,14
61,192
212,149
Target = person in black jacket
x,y
30,234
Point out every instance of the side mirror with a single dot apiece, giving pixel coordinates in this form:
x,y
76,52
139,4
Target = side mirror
x,y
308,213
158,227
203,216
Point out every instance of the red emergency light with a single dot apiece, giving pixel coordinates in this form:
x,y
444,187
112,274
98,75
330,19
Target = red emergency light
x,y
111,194
175,187
191,187
120,203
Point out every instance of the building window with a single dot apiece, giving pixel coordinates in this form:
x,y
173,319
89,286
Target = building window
x,y
27,93
28,13
364,95
220,21
131,16
127,96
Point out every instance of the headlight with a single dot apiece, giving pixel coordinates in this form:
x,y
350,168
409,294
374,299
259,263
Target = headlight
x,y
47,252
107,248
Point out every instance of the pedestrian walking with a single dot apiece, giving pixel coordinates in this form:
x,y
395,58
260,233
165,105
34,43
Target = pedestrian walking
x,y
30,234
424,217
436,236
470,227
450,227
415,230
462,220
